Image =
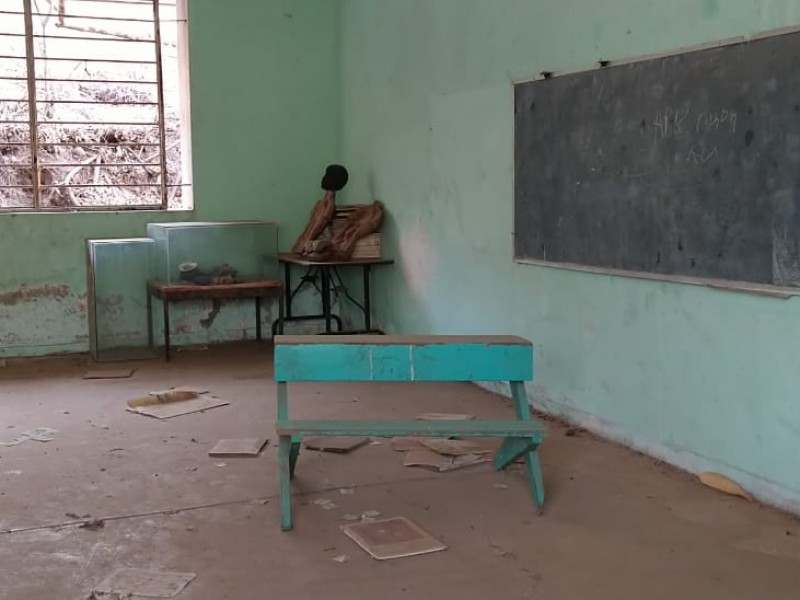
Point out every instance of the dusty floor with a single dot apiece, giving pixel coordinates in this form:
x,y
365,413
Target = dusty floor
x,y
617,525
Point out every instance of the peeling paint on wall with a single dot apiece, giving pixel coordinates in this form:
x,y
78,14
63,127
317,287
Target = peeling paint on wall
x,y
25,293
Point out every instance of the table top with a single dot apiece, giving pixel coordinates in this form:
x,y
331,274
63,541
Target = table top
x,y
296,259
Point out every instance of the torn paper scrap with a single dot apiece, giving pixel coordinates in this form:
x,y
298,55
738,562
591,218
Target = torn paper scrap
x,y
453,447
340,444
39,434
144,583
444,417
429,459
171,409
238,447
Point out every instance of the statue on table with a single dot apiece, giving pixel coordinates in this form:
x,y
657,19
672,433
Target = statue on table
x,y
334,180
360,223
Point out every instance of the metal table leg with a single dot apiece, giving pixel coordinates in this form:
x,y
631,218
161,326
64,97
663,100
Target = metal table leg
x,y
326,298
258,318
165,305
367,303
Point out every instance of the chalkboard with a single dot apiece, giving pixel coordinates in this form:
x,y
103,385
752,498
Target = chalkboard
x,y
684,165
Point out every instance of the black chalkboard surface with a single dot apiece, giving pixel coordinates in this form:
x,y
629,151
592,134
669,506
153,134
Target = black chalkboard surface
x,y
683,165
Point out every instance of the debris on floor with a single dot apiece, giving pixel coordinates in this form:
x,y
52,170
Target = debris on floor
x,y
349,517
325,503
174,402
238,447
723,484
40,434
336,444
453,447
73,515
370,514
444,417
220,464
108,374
404,444
92,524
392,538
347,491
428,459
341,558
128,582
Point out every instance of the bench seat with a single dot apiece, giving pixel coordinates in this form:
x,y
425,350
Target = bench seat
x,y
413,428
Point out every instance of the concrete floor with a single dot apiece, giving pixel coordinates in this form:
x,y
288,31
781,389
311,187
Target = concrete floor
x,y
617,525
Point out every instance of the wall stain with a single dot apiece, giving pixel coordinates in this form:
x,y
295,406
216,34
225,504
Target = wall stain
x,y
25,293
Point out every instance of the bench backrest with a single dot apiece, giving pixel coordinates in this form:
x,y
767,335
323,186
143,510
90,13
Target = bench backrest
x,y
402,358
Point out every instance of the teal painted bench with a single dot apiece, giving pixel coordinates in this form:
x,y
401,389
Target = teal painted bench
x,y
405,359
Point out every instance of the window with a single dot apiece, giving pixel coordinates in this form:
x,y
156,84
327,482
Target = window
x,y
94,105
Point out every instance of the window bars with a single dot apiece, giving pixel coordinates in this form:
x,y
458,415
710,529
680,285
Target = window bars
x,y
90,107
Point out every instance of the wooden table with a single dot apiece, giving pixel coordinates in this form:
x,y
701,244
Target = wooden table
x,y
170,293
328,273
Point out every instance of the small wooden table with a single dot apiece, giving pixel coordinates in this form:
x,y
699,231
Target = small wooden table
x,y
169,293
328,273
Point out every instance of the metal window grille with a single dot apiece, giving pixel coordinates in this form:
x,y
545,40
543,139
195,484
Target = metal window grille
x,y
90,108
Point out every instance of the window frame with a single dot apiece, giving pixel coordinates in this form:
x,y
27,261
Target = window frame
x,y
34,120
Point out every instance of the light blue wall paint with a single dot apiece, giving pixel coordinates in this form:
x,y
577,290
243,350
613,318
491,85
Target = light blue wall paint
x,y
703,378
265,122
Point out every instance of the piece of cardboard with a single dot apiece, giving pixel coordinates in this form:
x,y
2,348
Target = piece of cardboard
x,y
238,447
404,444
144,583
392,538
335,444
453,447
428,459
444,417
177,409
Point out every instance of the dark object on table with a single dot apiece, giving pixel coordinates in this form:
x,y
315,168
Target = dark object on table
x,y
335,178
221,275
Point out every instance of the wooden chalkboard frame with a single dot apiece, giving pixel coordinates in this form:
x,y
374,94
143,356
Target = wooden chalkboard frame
x,y
774,291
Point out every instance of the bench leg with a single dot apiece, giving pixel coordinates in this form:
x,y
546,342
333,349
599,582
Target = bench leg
x,y
533,466
284,461
294,452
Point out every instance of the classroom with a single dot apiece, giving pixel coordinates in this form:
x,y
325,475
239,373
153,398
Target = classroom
x,y
330,298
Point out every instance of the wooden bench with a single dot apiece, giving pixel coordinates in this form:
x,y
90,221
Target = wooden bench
x,y
171,293
406,359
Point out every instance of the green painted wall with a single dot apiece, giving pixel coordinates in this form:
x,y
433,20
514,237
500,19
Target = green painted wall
x,y
703,378
265,122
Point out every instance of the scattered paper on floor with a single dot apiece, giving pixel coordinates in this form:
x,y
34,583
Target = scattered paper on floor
x,y
444,417
453,447
404,444
144,583
238,447
723,484
174,403
340,444
39,434
429,459
392,538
